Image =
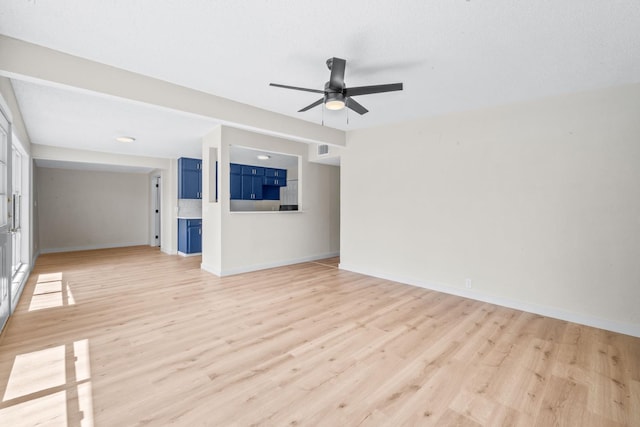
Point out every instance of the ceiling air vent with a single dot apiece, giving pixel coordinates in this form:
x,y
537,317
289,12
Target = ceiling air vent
x,y
323,149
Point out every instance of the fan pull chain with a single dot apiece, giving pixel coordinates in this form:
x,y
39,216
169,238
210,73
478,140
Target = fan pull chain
x,y
347,116
323,114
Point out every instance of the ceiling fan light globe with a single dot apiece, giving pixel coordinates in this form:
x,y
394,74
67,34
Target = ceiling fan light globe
x,y
335,104
334,101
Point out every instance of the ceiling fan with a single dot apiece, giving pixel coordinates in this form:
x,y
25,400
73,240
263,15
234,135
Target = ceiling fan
x,y
335,95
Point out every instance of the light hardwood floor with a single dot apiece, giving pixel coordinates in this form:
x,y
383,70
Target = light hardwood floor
x,y
131,336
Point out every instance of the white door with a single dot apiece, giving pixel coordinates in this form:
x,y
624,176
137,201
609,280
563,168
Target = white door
x,y
5,224
156,211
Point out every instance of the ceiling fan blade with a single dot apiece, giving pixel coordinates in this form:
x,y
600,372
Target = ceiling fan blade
x,y
367,90
355,106
336,81
310,106
296,88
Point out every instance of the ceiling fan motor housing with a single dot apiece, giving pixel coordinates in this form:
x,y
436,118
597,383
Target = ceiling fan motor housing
x,y
329,89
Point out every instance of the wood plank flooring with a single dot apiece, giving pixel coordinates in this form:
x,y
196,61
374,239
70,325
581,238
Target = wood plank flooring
x,y
132,337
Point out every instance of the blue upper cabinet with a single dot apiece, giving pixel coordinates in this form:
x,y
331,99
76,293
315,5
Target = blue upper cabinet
x,y
236,181
256,182
252,170
236,187
277,177
276,173
189,178
252,187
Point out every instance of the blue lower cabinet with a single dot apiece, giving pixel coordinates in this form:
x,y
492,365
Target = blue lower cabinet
x,y
190,236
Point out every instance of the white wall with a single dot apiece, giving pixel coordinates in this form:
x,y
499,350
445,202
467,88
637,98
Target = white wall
x,y
168,172
9,103
255,240
169,211
537,203
88,209
211,210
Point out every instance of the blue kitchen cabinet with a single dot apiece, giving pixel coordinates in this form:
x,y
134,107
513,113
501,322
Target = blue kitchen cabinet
x,y
236,181
270,192
273,180
189,236
256,182
189,178
252,182
276,173
252,170
277,177
252,187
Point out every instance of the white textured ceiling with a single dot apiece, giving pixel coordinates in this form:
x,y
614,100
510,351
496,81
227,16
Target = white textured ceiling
x,y
451,55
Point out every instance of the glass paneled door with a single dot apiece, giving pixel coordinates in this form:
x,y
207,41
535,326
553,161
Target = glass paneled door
x,y
5,224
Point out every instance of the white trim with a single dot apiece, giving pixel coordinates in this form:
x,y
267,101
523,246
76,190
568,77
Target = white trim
x,y
4,106
257,267
92,247
193,254
21,276
543,310
210,269
168,252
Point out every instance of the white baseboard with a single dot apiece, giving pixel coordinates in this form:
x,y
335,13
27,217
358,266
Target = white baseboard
x,y
168,252
91,247
210,269
264,266
548,311
185,255
33,259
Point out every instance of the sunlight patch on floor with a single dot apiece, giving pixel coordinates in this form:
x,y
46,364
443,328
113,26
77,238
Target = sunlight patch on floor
x,y
49,293
85,404
50,277
70,299
36,371
50,387
48,410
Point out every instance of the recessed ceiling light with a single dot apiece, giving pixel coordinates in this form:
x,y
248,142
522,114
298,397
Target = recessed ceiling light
x,y
125,139
263,157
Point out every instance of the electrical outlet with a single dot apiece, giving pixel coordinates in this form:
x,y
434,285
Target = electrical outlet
x,y
467,283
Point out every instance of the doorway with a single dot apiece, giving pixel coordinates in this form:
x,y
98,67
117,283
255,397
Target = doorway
x,y
156,202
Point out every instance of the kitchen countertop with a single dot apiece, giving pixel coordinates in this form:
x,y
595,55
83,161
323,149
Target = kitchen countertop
x,y
189,217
